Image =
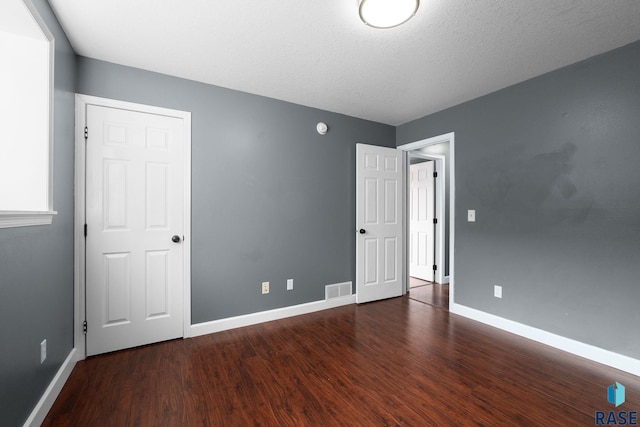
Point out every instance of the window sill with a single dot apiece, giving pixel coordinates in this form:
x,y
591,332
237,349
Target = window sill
x,y
25,218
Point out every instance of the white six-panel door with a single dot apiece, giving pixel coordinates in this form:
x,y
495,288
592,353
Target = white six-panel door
x,y
378,223
421,214
135,199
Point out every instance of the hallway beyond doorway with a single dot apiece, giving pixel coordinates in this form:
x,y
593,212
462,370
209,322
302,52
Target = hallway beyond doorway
x,y
431,293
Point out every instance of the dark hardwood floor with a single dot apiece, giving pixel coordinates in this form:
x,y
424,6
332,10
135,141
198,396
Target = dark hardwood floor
x,y
434,294
414,282
397,362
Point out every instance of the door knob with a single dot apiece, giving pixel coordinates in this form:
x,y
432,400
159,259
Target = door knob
x,y
362,231
175,239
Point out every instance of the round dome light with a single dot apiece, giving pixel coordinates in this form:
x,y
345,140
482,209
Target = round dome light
x,y
387,13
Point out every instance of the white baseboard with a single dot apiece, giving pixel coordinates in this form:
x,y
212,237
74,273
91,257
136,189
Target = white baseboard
x,y
267,316
51,393
596,354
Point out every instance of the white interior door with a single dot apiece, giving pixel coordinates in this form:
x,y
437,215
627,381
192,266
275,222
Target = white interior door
x,y
135,198
379,223
421,227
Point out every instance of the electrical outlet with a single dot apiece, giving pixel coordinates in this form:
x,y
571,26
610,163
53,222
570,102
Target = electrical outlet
x,y
265,287
471,215
43,351
289,284
497,291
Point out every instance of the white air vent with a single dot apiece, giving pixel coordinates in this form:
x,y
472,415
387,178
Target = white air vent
x,y
338,290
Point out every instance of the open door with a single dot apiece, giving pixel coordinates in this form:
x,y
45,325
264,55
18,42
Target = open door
x,y
379,243
422,227
135,204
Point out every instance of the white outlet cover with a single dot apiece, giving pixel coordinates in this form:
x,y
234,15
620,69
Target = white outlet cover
x,y
265,287
289,284
471,215
497,291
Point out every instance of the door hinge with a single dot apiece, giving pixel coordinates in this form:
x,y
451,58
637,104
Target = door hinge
x,y
435,267
85,230
84,327
435,174
86,133
435,221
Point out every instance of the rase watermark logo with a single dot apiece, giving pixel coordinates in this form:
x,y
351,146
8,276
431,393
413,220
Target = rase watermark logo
x,y
616,396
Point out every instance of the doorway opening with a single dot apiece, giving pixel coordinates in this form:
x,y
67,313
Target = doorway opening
x,y
424,199
429,220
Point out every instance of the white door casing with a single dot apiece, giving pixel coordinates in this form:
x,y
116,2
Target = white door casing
x,y
421,215
379,230
135,199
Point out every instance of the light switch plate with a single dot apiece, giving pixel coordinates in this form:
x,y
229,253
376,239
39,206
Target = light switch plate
x,y
471,215
43,351
497,291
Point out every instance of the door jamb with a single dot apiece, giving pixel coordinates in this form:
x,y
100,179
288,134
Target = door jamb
x,y
450,174
79,297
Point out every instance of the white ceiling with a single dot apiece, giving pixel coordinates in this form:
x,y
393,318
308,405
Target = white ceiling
x,y
318,53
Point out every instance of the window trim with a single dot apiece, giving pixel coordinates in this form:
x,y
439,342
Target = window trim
x,y
28,218
25,218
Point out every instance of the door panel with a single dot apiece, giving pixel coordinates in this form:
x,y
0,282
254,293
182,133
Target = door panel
x,y
391,260
157,284
117,288
378,213
135,200
157,203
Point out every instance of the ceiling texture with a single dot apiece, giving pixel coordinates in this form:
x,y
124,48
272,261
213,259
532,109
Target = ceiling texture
x,y
318,53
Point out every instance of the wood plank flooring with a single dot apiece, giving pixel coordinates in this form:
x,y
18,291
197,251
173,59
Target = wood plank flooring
x,y
414,282
397,362
434,294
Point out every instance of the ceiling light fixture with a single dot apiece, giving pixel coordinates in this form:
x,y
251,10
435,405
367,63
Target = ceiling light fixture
x,y
387,13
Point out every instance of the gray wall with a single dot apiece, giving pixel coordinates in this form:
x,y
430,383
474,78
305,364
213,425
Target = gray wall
x,y
36,266
272,199
550,165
